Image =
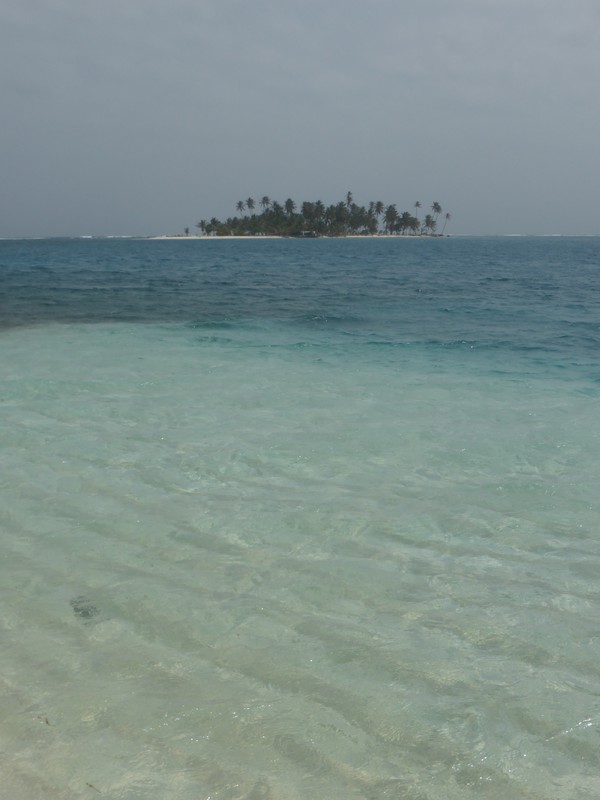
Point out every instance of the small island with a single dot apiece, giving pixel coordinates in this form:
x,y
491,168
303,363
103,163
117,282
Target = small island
x,y
315,219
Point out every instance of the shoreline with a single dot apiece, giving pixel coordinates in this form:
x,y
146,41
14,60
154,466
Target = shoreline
x,y
173,237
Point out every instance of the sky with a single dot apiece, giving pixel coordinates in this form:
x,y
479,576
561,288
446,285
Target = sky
x,y
144,116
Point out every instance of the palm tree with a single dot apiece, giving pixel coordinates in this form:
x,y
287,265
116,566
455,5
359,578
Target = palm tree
x,y
340,219
319,210
372,218
391,215
289,206
371,222
429,224
379,209
447,219
405,221
359,219
437,210
265,202
417,207
329,216
240,206
250,204
202,226
308,212
348,200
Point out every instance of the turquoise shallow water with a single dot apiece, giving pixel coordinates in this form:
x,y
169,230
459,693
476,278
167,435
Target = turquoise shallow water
x,y
300,519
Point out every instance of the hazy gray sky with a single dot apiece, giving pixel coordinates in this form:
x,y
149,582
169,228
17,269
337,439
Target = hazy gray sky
x,y
144,116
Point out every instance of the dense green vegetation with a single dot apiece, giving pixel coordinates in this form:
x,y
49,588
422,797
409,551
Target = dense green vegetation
x,y
345,218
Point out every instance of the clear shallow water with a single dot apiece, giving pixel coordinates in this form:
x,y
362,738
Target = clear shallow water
x,y
300,519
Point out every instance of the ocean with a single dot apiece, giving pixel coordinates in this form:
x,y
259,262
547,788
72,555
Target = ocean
x,y
300,520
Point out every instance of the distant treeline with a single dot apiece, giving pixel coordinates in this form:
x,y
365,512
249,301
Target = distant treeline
x,y
345,218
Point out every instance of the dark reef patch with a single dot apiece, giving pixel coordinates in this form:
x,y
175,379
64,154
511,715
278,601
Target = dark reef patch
x,y
83,607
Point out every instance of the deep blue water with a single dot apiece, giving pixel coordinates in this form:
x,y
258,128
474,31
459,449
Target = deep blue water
x,y
540,295
300,519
